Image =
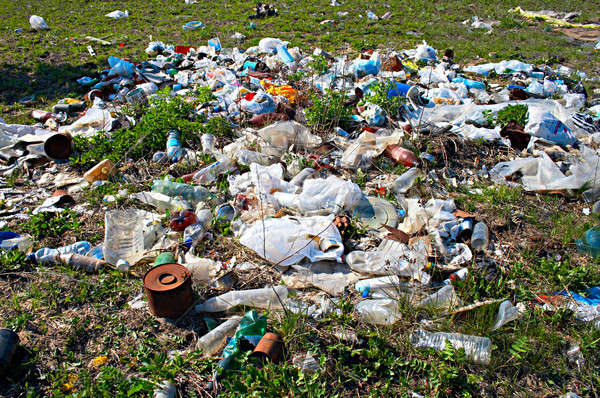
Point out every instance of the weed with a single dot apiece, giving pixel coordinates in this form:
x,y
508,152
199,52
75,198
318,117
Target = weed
x,y
379,96
518,113
361,178
319,64
13,260
53,225
328,111
203,95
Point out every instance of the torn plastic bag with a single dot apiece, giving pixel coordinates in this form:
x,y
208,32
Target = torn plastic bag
x,y
91,123
544,124
445,298
289,240
373,114
379,312
332,278
281,135
366,147
429,74
332,194
364,67
262,180
392,258
265,298
269,44
434,213
425,53
120,67
258,103
506,313
475,133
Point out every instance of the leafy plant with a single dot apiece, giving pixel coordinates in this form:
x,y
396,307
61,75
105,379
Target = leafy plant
x,y
319,64
518,113
13,260
379,96
328,111
53,225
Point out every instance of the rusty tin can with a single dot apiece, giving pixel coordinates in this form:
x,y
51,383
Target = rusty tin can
x,y
59,146
269,347
169,290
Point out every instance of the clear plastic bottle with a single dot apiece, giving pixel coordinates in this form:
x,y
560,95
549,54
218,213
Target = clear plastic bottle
x,y
174,148
208,143
163,202
190,193
123,236
266,298
481,237
82,248
166,390
212,341
100,172
477,349
506,313
403,183
211,172
379,312
246,157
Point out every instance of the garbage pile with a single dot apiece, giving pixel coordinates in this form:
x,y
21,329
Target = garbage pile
x,y
299,182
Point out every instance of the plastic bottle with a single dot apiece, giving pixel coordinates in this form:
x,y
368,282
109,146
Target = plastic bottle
x,y
100,172
211,172
469,83
381,282
190,193
174,149
477,349
446,297
481,237
265,298
22,243
401,155
341,132
82,247
299,178
460,274
123,236
403,183
379,312
246,157
163,202
212,341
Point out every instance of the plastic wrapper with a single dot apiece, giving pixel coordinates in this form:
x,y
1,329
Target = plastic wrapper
x,y
38,23
289,240
366,147
544,124
91,123
506,313
379,312
265,298
332,278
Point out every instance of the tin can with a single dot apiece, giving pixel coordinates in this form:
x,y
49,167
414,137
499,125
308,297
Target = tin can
x,y
169,290
136,96
269,347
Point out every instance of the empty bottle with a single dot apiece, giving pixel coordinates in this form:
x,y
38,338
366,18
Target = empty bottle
x,y
246,157
379,312
208,143
299,178
446,298
189,193
100,172
481,237
211,172
403,183
469,83
82,247
174,148
212,341
506,313
163,202
401,155
123,236
266,298
477,349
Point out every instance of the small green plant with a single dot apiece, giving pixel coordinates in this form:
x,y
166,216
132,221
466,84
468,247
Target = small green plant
x,y
328,111
379,96
319,64
518,113
361,178
217,126
53,225
296,76
13,260
520,348
203,95
222,226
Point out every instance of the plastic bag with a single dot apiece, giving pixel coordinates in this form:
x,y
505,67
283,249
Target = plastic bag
x,y
281,135
366,147
120,67
269,44
542,123
251,327
506,313
425,53
258,103
289,240
364,67
373,114
445,298
118,14
332,194
91,123
38,23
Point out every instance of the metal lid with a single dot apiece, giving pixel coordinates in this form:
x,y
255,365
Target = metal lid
x,y
166,277
375,212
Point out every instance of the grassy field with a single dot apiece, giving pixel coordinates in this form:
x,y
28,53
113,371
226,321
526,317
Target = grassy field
x,y
66,319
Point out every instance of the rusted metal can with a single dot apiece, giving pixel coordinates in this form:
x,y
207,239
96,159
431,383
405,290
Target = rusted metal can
x,y
269,347
59,146
9,341
169,290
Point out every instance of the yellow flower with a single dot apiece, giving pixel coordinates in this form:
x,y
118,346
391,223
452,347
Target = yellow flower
x,y
99,361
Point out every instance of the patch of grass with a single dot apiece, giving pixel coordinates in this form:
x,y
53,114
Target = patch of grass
x,y
53,225
327,111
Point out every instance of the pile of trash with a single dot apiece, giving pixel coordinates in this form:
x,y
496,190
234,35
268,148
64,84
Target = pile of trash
x,y
294,195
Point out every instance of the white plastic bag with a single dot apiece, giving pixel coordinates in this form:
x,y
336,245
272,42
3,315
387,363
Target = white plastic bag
x,y
118,14
544,124
288,240
269,44
425,53
332,194
281,135
38,23
379,312
506,313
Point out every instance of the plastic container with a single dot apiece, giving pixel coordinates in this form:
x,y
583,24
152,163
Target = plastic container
x,y
246,157
38,23
506,313
82,248
477,349
100,172
123,236
469,83
182,219
481,237
174,149
299,178
212,342
211,172
208,143
284,55
190,193
401,155
403,183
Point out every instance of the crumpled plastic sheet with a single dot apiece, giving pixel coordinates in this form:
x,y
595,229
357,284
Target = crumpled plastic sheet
x,y
332,194
392,258
332,278
435,212
91,123
542,174
262,181
367,146
289,240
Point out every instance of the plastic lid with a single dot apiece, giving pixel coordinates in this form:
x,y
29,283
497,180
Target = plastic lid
x,y
375,212
166,277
